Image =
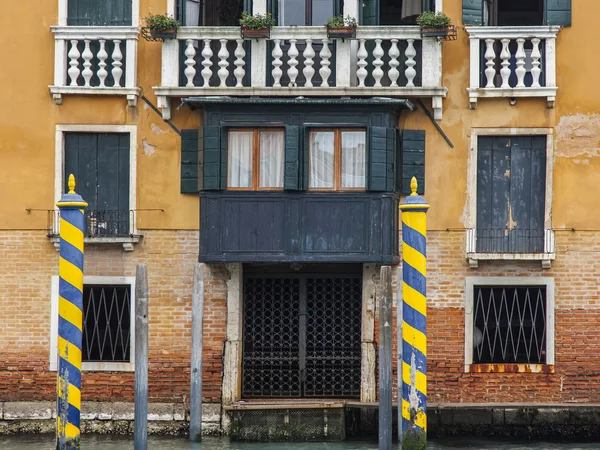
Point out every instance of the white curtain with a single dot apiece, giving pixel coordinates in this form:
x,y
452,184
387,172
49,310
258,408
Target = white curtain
x,y
353,159
411,8
192,13
239,159
272,148
321,160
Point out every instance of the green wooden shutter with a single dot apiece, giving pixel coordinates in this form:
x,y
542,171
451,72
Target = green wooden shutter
x,y
190,140
472,12
211,159
413,159
99,13
381,159
557,12
305,170
223,159
81,160
292,158
370,12
274,10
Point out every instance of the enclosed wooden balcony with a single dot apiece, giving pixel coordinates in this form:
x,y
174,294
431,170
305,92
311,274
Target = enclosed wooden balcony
x,y
297,61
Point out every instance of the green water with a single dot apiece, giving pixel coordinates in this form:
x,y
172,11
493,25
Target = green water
x,y
96,442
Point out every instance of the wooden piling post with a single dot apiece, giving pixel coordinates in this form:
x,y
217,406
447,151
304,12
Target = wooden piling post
x,y
385,360
196,369
399,320
141,359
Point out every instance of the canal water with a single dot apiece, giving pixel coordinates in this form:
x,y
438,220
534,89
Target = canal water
x,y
96,442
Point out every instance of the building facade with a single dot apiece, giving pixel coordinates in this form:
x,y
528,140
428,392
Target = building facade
x,y
279,163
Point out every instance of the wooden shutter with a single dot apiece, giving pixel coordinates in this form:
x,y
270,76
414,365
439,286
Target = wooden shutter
x,y
557,12
211,159
413,160
472,12
113,172
381,159
190,161
99,12
305,170
370,12
81,160
292,158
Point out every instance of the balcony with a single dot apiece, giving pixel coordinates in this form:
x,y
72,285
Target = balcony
x,y
95,61
383,61
513,62
516,244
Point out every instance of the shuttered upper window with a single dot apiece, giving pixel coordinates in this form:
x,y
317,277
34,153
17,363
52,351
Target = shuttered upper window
x,y
517,12
99,13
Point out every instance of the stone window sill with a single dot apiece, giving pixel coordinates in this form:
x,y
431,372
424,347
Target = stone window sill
x,y
545,258
127,242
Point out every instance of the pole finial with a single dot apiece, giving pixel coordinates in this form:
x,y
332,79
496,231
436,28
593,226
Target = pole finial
x,y
413,186
71,184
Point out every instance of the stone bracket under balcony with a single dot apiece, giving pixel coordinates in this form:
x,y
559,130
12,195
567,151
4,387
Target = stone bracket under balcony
x,y
95,61
512,62
383,61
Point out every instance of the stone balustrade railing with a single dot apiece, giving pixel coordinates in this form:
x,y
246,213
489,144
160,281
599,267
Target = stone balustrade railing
x,y
513,62
301,61
95,60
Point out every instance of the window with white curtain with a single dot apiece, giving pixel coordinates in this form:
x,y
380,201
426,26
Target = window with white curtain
x,y
255,159
337,159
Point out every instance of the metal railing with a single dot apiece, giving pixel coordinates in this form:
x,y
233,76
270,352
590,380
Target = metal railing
x,y
100,223
504,240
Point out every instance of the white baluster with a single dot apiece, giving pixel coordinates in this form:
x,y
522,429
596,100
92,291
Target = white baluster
x,y
325,71
361,72
535,62
207,54
505,55
117,56
190,62
73,63
292,63
308,70
377,71
490,55
410,71
520,56
102,55
223,54
239,71
277,54
87,56
393,73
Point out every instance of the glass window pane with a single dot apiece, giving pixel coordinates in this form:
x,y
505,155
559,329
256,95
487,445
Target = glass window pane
x,y
321,159
239,159
292,12
353,159
272,148
321,11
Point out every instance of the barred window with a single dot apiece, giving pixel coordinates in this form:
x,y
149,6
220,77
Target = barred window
x,y
106,323
510,324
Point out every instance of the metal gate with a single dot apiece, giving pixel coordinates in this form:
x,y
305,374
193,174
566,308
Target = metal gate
x,y
302,336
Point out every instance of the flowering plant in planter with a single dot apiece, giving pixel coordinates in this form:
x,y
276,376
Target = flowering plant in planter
x,y
160,26
340,27
257,25
436,24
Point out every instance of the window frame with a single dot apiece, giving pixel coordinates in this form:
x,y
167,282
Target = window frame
x,y
337,160
471,216
255,159
93,366
63,7
548,282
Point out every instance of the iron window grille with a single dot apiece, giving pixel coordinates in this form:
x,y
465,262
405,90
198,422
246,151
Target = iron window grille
x,y
100,223
106,323
510,324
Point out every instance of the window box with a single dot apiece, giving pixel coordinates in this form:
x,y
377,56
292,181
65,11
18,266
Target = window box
x,y
342,32
261,33
446,33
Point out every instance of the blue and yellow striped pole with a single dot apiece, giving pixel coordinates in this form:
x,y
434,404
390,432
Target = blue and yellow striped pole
x,y
414,325
70,319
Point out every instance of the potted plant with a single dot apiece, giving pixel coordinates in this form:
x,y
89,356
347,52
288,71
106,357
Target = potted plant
x,y
340,27
436,24
160,26
257,25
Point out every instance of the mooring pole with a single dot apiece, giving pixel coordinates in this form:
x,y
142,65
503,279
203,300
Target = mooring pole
x,y
196,370
414,326
399,321
70,319
141,359
385,360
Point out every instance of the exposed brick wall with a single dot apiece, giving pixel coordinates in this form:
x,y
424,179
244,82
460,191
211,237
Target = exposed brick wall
x,y
29,261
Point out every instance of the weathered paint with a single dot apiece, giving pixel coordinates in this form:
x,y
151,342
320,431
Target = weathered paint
x,y
70,320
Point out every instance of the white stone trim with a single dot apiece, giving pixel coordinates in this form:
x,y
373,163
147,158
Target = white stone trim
x,y
59,146
471,282
92,366
471,216
64,4
232,358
